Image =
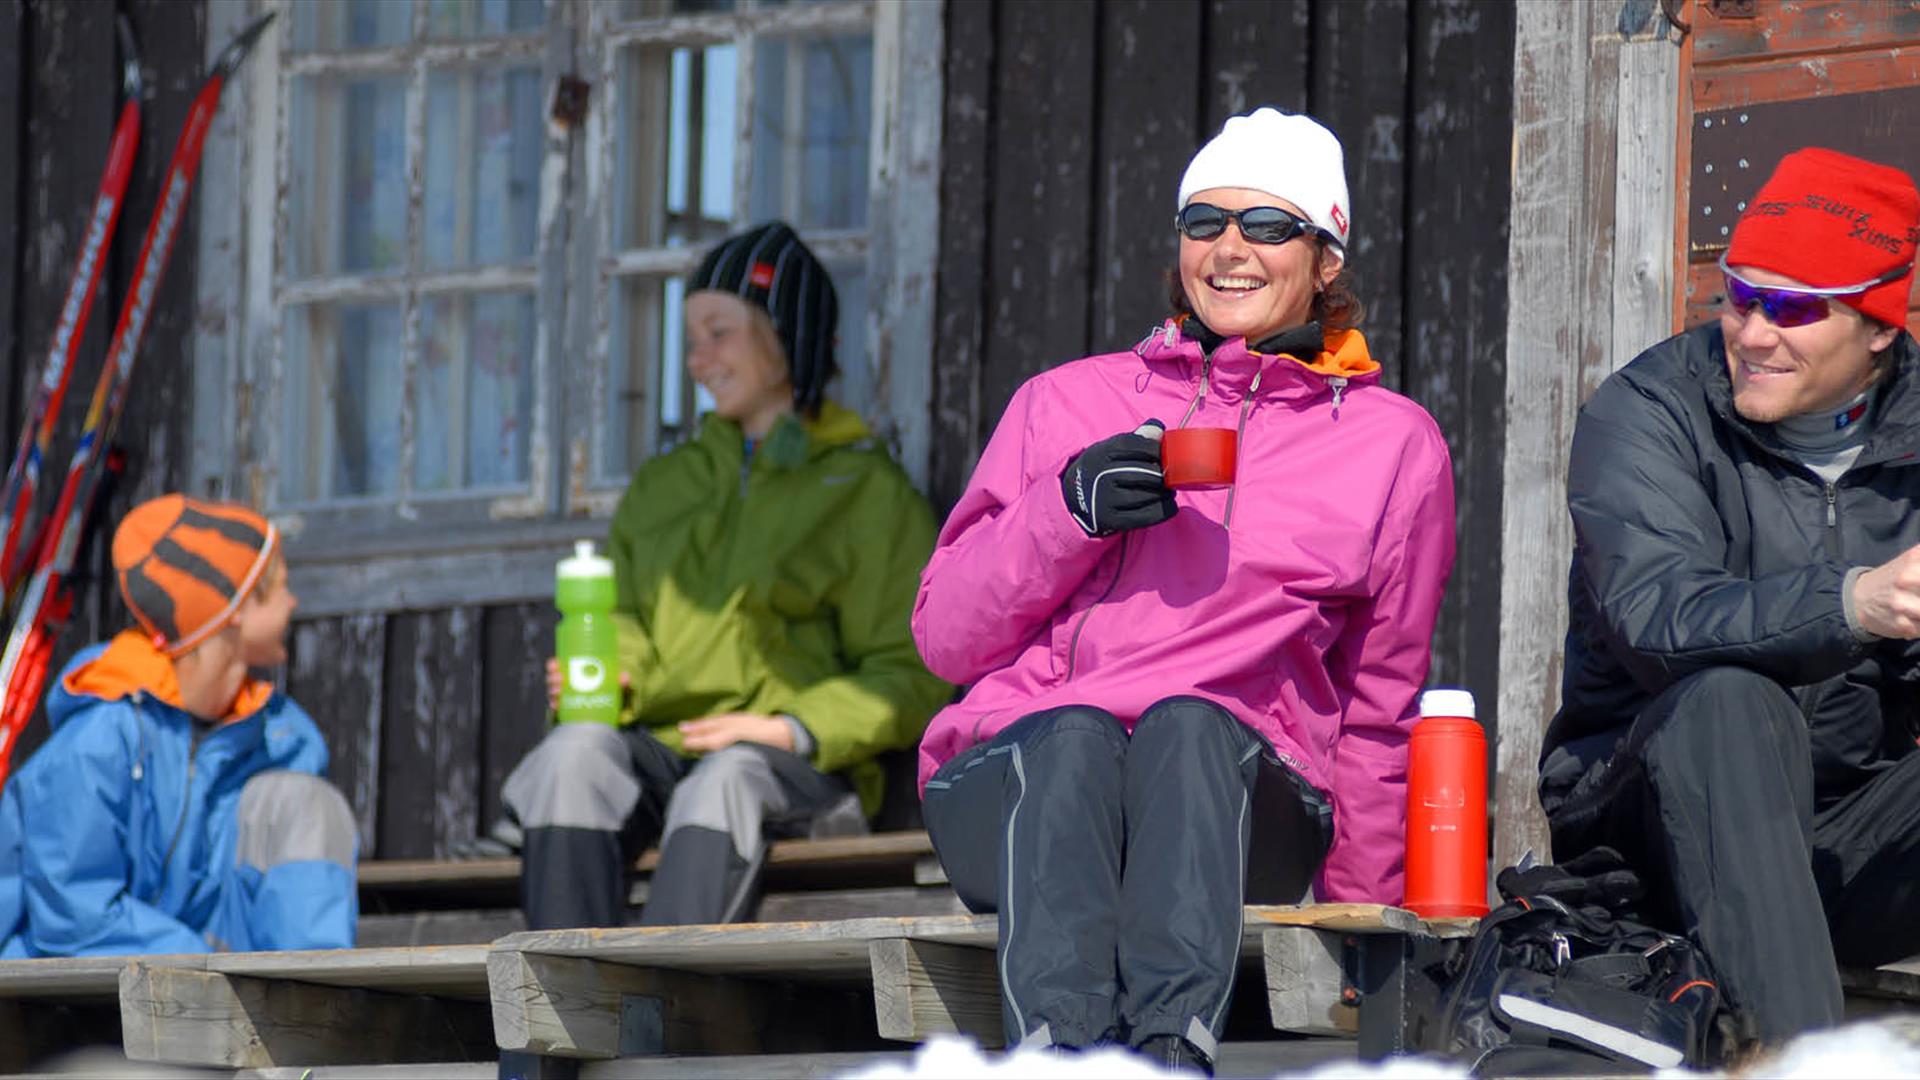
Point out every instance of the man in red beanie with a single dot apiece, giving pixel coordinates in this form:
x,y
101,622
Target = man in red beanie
x,y
1738,707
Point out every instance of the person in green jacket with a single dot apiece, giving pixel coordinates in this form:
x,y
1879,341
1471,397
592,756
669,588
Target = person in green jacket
x,y
766,574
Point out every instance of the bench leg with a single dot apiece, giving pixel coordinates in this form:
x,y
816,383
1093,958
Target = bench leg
x,y
923,988
1397,980
186,1017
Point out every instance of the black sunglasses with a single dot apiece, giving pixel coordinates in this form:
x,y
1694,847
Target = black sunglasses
x,y
1259,224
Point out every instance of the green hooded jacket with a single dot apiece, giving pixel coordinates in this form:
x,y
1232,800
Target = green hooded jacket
x,y
780,583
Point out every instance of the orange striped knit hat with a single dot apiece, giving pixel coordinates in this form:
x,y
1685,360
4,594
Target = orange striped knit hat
x,y
184,566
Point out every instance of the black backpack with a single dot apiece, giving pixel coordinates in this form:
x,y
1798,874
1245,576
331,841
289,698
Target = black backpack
x,y
1561,980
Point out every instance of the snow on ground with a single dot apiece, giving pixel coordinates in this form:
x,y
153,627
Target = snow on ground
x,y
959,1059
1871,1051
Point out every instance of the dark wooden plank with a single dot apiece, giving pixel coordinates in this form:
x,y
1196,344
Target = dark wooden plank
x,y
1256,54
966,217
430,759
1736,149
13,89
1359,90
337,673
71,84
154,429
1461,143
1148,106
516,639
1044,153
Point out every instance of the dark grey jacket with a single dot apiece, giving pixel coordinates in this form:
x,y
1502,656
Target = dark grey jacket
x,y
1699,543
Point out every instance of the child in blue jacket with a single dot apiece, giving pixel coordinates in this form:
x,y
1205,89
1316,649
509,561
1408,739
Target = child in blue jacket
x,y
178,806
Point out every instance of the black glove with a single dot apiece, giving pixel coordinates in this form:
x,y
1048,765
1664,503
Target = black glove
x,y
1116,483
1598,876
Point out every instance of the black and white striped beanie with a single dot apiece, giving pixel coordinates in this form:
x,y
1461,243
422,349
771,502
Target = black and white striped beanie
x,y
769,267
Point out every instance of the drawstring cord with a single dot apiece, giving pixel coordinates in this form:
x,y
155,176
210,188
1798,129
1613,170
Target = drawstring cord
x,y
1246,406
1206,371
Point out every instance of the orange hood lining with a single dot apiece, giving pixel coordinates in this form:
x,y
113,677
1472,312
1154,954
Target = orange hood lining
x,y
1345,356
132,663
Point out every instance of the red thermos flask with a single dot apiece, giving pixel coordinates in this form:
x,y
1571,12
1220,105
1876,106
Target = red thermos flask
x,y
1447,809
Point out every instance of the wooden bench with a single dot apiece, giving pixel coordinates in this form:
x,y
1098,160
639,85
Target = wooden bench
x,y
431,902
257,1010
1328,969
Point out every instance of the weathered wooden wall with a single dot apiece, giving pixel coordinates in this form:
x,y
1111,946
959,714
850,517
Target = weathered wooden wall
x,y
59,91
1067,126
1066,130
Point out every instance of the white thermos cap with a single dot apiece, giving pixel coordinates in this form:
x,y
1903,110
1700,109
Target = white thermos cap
x,y
1447,703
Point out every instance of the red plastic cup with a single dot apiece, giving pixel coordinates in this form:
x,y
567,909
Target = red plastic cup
x,y
1198,456
1447,809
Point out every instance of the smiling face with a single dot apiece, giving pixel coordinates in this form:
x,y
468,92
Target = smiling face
x,y
1241,289
733,353
1779,372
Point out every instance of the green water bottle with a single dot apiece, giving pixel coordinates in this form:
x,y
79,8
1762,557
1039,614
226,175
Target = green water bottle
x,y
586,641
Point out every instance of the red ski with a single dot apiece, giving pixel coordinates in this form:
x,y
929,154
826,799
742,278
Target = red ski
x,y
47,602
50,389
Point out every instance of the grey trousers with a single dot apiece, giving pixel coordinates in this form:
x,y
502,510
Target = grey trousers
x,y
589,798
287,816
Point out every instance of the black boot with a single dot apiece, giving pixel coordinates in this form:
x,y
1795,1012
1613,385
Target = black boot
x,y
1174,1052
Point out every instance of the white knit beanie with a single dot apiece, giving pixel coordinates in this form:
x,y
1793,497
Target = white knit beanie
x,y
1284,154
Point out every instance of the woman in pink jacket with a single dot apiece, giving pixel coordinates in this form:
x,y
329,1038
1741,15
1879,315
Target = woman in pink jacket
x,y
1164,683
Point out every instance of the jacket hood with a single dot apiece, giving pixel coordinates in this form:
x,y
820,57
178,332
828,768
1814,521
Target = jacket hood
x,y
129,665
795,439
1231,365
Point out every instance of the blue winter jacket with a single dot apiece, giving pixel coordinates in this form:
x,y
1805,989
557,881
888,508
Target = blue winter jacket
x,y
118,835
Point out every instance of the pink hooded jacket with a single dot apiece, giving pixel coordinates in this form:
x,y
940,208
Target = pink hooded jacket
x,y
1308,616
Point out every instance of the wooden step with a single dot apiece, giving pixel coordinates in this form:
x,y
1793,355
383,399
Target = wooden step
x,y
563,992
890,859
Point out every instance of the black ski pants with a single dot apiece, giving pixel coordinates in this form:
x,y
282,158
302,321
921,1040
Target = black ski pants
x,y
1119,865
1711,797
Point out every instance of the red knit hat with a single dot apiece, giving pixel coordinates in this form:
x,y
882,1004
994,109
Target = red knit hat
x,y
1831,220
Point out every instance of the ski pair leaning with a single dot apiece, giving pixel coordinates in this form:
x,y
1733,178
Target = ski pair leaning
x,y
37,571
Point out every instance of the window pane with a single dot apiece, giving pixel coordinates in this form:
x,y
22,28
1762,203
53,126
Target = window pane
x,y
813,98
647,383
482,18
676,147
342,402
475,398
349,195
653,9
350,24
484,142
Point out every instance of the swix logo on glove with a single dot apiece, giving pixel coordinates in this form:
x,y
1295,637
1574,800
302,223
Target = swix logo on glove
x,y
1117,483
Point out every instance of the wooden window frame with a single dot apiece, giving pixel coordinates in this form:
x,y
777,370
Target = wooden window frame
x,y
413,553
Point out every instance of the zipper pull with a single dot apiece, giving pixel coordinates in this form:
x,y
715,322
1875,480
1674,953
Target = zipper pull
x,y
1339,384
1832,518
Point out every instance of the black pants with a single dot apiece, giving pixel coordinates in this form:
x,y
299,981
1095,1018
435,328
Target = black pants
x,y
1118,866
1712,798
